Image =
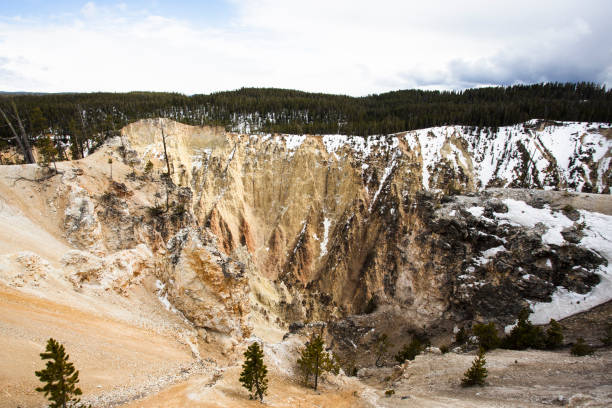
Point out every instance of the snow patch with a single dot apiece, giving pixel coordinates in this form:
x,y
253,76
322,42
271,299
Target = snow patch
x,y
598,238
521,213
326,225
488,254
476,211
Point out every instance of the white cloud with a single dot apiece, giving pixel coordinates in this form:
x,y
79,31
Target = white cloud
x,y
354,47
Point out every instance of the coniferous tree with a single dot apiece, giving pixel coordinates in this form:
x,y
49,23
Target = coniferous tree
x,y
254,372
18,134
524,334
554,335
96,116
314,360
461,337
110,163
607,338
47,150
409,351
60,377
487,335
477,373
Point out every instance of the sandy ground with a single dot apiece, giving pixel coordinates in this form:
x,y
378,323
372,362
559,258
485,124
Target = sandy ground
x,y
111,355
516,379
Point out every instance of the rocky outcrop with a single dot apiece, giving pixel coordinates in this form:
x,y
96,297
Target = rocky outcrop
x,y
118,270
208,287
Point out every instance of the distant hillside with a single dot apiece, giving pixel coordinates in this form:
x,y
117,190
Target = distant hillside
x,y
91,117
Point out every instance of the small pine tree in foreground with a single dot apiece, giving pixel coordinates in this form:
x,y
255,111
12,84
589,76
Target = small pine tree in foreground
x,y
314,360
254,372
477,373
59,376
580,348
47,150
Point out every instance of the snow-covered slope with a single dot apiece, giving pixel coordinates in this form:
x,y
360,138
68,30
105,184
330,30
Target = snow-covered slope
x,y
536,154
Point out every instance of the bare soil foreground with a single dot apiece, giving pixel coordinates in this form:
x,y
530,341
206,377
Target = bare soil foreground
x,y
516,379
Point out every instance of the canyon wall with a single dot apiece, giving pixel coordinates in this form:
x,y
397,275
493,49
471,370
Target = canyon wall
x,y
417,231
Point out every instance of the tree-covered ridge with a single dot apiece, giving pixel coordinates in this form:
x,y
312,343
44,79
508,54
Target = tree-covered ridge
x,y
91,117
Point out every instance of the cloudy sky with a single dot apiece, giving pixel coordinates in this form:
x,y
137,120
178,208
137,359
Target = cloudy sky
x,y
350,47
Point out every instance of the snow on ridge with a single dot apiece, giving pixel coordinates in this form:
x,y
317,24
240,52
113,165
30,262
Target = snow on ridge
x,y
360,145
293,142
498,155
563,149
488,254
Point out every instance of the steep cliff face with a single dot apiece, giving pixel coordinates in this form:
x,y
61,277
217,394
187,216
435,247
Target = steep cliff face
x,y
336,225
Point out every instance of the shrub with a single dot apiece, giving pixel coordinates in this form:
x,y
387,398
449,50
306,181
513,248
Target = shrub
x,y
370,306
487,335
444,349
155,211
389,393
148,167
381,346
580,348
477,373
554,335
108,197
409,351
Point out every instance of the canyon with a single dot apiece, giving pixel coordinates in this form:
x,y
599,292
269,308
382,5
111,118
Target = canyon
x,y
166,278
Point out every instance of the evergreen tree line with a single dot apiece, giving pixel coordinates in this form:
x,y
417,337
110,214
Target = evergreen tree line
x,y
91,117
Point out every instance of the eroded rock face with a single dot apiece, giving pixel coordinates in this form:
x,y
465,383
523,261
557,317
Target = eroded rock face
x,y
208,287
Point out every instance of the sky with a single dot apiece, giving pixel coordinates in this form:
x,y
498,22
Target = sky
x,y
351,47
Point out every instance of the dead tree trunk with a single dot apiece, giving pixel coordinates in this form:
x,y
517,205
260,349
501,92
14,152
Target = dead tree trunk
x,y
21,138
165,151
